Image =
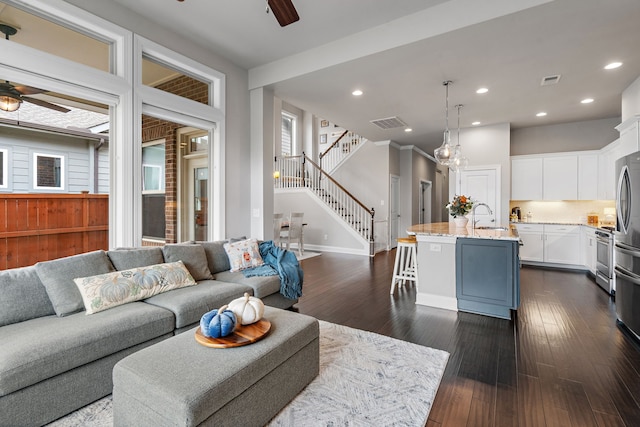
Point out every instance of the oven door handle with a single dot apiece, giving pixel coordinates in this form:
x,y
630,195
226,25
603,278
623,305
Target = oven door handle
x,y
633,279
620,247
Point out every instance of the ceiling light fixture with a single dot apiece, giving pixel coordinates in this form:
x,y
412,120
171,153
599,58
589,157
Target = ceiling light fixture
x,y
357,92
475,123
541,114
482,90
9,101
443,153
612,65
587,101
458,162
408,130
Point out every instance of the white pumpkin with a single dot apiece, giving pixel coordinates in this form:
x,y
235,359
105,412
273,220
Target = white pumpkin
x,y
247,309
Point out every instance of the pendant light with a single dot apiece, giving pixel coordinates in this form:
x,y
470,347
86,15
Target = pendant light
x,y
458,162
443,153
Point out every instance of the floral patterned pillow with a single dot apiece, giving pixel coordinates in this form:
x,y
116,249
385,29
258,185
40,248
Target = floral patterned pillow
x,y
243,254
120,287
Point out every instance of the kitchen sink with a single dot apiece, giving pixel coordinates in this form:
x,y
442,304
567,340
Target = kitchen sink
x,y
489,227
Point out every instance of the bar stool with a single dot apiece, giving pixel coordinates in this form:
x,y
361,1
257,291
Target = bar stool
x,y
405,267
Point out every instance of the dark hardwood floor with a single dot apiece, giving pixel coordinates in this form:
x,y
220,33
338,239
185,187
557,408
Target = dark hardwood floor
x,y
561,362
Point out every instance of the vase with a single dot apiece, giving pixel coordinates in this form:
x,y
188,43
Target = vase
x,y
461,221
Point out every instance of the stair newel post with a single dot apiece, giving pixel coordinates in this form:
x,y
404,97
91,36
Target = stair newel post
x,y
371,234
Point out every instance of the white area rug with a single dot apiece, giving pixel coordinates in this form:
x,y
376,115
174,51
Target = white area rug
x,y
305,254
365,379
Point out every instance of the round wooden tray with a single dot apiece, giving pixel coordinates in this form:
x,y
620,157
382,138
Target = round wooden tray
x,y
243,335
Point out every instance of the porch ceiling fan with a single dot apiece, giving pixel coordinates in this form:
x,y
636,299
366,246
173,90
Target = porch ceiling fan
x,y
12,96
283,10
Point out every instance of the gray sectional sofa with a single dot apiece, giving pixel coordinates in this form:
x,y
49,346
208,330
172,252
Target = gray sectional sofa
x,y
54,358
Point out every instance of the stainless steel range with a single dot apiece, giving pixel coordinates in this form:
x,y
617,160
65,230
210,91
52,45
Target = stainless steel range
x,y
605,276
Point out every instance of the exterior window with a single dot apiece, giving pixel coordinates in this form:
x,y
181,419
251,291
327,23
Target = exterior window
x,y
3,168
153,190
288,134
48,172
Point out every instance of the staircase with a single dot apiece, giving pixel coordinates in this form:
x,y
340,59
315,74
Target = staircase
x,y
302,172
338,152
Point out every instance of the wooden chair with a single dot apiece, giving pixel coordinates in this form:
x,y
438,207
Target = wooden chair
x,y
278,220
405,267
295,231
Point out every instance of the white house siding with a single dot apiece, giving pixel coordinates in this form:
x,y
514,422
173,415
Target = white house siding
x,y
103,170
22,144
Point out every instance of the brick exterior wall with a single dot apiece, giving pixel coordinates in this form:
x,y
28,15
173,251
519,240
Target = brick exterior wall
x,y
153,129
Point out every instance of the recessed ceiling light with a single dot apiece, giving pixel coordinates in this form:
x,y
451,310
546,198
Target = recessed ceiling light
x,y
408,130
541,114
482,90
612,65
587,101
357,92
475,123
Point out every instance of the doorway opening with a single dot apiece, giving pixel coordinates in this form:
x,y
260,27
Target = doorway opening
x,y
424,206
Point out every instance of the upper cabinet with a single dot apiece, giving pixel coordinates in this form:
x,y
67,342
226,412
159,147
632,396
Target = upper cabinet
x,y
548,177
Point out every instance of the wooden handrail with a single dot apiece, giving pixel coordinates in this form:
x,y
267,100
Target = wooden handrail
x,y
333,145
355,199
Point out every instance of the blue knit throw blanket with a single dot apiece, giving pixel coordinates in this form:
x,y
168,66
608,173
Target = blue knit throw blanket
x,y
283,263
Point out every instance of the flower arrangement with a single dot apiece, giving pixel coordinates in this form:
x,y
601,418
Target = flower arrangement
x,y
460,206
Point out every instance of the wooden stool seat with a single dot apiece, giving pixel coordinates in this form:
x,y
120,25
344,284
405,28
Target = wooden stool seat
x,y
405,267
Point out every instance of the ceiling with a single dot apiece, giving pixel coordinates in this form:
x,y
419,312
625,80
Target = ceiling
x,y
399,53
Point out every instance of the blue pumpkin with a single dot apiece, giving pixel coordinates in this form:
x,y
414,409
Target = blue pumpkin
x,y
218,323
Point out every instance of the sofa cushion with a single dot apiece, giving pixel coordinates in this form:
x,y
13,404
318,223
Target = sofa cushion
x,y
57,277
193,256
22,296
243,254
124,259
262,285
109,290
189,304
216,256
41,348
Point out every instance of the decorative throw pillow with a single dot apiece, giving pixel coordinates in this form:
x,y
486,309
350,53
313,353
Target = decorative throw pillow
x,y
193,257
120,287
243,254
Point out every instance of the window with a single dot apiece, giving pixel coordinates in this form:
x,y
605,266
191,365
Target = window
x,y
153,159
288,134
3,168
48,172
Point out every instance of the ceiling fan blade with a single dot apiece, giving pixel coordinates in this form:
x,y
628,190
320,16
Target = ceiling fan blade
x,y
45,104
28,90
284,11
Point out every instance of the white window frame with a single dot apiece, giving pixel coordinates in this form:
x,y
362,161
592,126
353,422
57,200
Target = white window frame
x,y
5,169
34,167
294,133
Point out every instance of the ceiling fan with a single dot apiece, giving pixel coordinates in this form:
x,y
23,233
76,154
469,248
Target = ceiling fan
x,y
12,96
283,10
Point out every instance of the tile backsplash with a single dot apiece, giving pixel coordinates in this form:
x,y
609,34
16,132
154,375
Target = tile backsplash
x,y
574,211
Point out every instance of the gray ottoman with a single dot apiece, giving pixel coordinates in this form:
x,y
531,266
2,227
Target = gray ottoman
x,y
179,382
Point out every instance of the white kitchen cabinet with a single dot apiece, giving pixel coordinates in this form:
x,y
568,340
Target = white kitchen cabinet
x,y
589,252
526,178
606,172
560,178
562,244
629,137
550,243
532,238
587,176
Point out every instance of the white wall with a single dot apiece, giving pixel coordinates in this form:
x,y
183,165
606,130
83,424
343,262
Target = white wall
x,y
237,149
576,136
631,100
488,145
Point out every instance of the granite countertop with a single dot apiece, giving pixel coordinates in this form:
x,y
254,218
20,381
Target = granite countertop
x,y
446,229
595,227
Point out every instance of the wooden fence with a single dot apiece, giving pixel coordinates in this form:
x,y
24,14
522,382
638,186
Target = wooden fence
x,y
41,227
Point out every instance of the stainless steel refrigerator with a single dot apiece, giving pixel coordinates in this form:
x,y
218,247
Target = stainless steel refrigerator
x,y
627,243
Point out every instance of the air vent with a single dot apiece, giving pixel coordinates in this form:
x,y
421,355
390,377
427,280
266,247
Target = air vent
x,y
389,123
550,80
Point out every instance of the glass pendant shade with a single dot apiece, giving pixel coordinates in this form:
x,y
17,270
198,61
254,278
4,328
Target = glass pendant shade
x,y
443,153
458,162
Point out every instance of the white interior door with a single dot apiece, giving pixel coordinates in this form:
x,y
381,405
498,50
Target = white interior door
x,y
482,186
394,210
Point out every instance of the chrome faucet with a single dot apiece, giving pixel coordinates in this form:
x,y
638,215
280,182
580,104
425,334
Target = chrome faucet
x,y
473,212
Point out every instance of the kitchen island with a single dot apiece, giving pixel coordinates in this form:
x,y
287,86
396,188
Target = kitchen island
x,y
466,269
